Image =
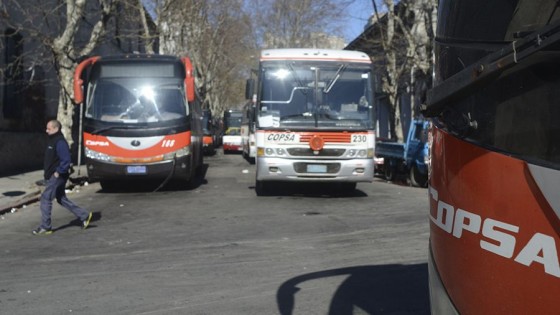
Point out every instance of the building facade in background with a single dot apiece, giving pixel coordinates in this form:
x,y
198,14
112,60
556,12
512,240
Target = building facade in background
x,y
29,86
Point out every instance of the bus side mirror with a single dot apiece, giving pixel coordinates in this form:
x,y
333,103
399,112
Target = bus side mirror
x,y
189,79
78,83
249,89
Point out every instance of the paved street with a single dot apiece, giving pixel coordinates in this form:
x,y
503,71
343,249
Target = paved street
x,y
220,249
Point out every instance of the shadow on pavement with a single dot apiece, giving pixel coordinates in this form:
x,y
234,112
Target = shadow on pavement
x,y
96,216
387,289
143,185
312,190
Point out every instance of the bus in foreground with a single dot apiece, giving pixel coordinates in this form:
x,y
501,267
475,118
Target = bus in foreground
x,y
314,117
141,118
495,158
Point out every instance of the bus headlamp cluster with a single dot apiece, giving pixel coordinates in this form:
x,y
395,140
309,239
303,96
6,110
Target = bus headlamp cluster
x,y
354,153
359,153
184,151
94,155
271,152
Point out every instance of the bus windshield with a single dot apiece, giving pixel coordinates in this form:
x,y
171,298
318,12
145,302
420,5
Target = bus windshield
x,y
232,122
133,100
319,94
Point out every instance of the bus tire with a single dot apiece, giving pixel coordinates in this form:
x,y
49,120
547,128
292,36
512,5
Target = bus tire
x,y
347,187
261,188
108,185
417,179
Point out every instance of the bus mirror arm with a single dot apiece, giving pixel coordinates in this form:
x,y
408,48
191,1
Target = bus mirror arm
x,y
78,82
189,79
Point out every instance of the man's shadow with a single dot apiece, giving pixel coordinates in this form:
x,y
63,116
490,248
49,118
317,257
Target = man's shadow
x,y
95,216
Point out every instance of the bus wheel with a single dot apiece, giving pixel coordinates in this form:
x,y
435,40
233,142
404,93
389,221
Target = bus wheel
x,y
193,181
261,188
108,185
417,179
347,187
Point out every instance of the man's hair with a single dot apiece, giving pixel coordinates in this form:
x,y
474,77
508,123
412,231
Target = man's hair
x,y
55,123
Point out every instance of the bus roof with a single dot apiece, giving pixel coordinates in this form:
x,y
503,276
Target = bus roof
x,y
314,54
138,57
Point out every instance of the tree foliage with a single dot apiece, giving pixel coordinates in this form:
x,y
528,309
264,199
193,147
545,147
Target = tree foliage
x,y
222,37
61,32
294,23
215,34
405,33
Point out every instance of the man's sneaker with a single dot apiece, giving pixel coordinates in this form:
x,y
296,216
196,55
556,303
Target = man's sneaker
x,y
41,231
85,223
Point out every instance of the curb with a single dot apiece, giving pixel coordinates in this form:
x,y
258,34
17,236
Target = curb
x,y
28,198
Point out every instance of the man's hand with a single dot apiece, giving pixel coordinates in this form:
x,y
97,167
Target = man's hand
x,y
56,174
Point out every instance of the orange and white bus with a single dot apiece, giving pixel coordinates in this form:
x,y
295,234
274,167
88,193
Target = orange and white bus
x,y
231,140
314,117
141,120
495,158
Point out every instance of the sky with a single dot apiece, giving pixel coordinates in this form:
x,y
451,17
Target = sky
x,y
358,14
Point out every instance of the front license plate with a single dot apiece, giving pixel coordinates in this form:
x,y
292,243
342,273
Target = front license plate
x,y
136,169
314,168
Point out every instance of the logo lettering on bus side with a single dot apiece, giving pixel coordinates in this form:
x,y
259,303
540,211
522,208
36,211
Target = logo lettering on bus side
x,y
497,237
97,143
282,137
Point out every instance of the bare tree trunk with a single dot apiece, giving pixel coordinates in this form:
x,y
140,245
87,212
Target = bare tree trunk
x,y
406,32
148,37
66,54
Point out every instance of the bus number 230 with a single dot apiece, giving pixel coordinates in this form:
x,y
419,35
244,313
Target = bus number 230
x,y
359,138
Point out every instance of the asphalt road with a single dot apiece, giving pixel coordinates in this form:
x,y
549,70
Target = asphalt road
x,y
220,249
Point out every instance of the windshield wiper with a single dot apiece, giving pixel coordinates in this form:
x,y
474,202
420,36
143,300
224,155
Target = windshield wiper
x,y
306,114
101,130
336,76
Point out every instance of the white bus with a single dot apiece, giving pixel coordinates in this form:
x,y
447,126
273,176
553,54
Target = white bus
x,y
314,117
248,132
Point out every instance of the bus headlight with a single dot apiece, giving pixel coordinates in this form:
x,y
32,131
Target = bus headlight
x,y
359,153
94,155
184,151
271,152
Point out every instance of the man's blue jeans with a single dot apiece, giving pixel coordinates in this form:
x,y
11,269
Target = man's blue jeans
x,y
54,188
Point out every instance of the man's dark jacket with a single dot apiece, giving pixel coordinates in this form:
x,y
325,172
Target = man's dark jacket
x,y
57,156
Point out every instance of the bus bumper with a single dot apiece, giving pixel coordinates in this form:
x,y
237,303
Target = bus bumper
x,y
232,147
440,302
181,169
278,169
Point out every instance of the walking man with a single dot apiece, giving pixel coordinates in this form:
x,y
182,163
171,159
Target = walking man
x,y
57,165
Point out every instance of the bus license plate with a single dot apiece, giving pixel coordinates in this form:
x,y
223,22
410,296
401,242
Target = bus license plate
x,y
136,169
314,168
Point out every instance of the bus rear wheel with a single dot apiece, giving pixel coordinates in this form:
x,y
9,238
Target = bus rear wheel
x,y
261,188
109,185
347,187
